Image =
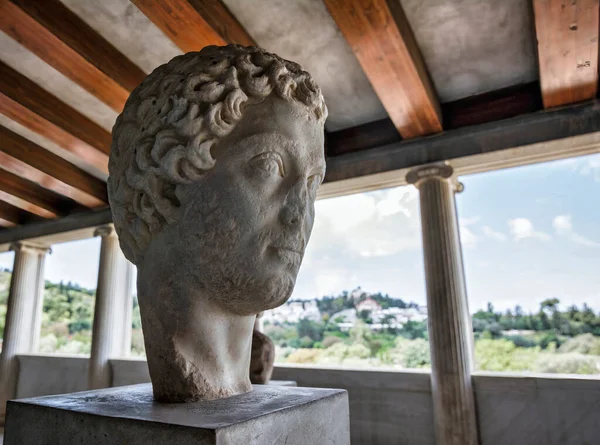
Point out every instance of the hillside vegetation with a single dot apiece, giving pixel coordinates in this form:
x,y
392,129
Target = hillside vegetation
x,y
548,340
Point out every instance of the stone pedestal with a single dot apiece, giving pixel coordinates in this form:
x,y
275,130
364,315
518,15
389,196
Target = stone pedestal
x,y
449,324
128,415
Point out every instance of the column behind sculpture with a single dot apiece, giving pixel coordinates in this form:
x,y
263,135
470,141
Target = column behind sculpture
x,y
24,303
109,310
449,324
39,300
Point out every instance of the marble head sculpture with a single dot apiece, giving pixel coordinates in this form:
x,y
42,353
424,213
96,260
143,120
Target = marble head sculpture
x,y
214,169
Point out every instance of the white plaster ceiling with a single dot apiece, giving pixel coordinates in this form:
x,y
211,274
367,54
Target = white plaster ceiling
x,y
122,24
474,46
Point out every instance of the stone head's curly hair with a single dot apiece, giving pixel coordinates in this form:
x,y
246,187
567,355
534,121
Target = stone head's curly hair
x,y
172,120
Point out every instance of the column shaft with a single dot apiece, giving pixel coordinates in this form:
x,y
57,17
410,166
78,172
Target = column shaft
x,y
20,316
39,303
108,311
449,324
127,310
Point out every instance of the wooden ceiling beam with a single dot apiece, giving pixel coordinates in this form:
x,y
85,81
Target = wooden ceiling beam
x,y
382,40
30,196
48,182
194,24
33,107
567,37
24,204
60,38
52,171
15,215
6,224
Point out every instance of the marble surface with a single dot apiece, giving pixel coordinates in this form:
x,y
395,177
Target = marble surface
x,y
269,414
214,170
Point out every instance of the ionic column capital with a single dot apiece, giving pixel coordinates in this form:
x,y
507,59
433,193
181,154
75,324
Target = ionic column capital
x,y
430,171
22,246
440,171
107,230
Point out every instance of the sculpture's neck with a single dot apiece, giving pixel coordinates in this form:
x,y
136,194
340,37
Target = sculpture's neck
x,y
202,352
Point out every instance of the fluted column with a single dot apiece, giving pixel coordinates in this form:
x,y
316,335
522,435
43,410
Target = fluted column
x,y
23,301
449,324
127,310
109,309
39,300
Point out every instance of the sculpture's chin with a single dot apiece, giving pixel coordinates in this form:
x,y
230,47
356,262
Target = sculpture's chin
x,y
254,297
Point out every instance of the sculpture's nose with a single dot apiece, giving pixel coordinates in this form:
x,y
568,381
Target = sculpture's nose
x,y
294,208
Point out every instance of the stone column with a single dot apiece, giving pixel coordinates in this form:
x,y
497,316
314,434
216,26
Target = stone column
x,y
39,300
109,309
449,322
23,298
127,310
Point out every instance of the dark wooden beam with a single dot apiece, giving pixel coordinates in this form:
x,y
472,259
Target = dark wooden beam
x,y
492,106
474,110
69,180
32,174
362,137
382,40
69,223
26,103
567,38
34,198
60,38
523,130
23,204
6,224
15,215
194,24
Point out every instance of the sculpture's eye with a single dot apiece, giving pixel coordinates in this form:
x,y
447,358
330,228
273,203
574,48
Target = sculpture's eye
x,y
268,164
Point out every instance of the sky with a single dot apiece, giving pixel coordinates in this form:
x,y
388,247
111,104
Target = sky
x,y
528,233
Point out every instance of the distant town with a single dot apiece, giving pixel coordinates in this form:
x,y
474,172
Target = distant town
x,y
366,308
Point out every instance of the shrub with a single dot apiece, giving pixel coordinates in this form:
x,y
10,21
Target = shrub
x,y
521,341
414,353
568,363
330,340
503,355
304,356
584,344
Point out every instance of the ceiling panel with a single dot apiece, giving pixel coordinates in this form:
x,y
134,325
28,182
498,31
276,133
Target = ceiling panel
x,y
127,29
303,31
474,46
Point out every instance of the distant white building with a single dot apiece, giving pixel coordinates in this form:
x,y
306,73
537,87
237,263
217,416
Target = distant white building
x,y
293,312
368,305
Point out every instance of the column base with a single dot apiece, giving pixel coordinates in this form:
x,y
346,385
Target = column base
x,y
269,414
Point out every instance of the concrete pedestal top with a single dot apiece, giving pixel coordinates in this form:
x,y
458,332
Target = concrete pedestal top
x,y
267,415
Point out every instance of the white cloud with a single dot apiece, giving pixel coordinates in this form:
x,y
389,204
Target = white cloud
x,y
582,240
398,200
468,238
491,233
563,226
592,167
522,228
371,224
469,221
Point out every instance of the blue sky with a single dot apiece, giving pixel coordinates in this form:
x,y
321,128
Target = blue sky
x,y
528,233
